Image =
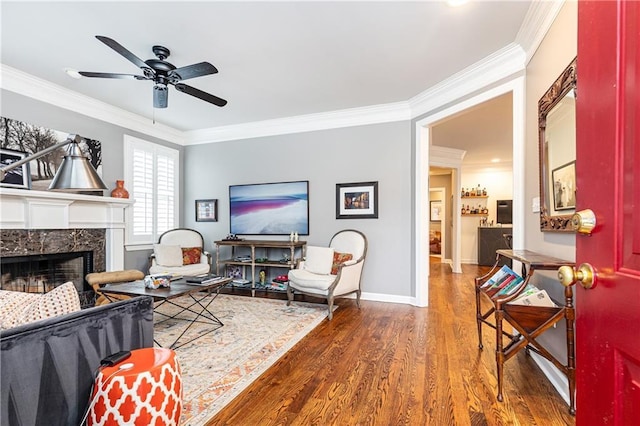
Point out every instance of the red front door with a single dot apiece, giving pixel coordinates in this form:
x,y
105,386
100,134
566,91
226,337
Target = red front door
x,y
608,180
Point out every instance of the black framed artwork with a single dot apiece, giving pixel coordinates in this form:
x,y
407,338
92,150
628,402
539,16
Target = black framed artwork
x,y
207,210
19,177
357,200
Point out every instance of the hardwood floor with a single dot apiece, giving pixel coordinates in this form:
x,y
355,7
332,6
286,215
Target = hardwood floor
x,y
393,364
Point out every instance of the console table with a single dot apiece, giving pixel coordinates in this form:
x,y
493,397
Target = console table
x,y
268,248
529,321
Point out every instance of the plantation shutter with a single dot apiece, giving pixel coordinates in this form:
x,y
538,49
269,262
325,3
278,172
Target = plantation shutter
x,y
152,171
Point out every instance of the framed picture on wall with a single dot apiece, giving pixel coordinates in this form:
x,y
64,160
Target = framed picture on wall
x,y
436,211
564,186
357,200
206,210
19,177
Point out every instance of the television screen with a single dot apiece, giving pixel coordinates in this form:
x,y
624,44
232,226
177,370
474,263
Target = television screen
x,y
269,208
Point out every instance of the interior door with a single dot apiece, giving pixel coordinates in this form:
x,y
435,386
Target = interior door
x,y
608,180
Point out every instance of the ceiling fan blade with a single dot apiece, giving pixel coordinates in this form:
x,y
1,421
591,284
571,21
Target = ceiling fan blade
x,y
201,95
123,51
111,75
195,70
160,96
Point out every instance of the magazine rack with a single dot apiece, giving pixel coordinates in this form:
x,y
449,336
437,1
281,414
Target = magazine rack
x,y
528,321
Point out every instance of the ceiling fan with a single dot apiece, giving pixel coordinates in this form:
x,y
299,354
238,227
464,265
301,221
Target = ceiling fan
x,y
162,73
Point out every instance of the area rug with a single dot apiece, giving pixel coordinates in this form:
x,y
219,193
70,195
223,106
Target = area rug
x,y
217,366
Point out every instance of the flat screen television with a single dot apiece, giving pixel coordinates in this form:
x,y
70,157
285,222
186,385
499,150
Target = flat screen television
x,y
269,208
504,212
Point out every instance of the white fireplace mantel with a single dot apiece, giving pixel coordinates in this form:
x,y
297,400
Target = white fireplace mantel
x,y
25,209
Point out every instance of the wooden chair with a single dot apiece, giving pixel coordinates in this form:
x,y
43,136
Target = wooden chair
x,y
340,278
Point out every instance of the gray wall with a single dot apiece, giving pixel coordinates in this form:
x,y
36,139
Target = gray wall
x,y
366,153
557,50
111,136
379,152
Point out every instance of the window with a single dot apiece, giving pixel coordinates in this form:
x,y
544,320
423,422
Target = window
x,y
151,175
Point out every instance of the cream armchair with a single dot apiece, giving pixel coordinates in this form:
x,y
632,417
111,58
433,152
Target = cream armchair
x,y
181,252
333,271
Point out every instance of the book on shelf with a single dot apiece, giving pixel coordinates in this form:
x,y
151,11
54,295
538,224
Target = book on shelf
x,y
538,298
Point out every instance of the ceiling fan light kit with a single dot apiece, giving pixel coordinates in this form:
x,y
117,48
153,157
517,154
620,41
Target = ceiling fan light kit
x,y
162,73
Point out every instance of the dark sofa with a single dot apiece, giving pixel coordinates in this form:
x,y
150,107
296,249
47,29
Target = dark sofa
x,y
47,367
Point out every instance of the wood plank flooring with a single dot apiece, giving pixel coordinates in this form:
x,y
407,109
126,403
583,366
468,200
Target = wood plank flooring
x,y
393,364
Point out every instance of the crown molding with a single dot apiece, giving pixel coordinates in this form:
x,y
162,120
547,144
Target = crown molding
x,y
375,114
501,64
536,24
504,63
28,85
445,157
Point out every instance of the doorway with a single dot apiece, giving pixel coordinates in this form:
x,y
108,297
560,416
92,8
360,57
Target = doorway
x,y
425,141
437,222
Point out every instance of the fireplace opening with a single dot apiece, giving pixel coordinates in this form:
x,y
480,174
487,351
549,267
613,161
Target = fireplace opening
x,y
43,272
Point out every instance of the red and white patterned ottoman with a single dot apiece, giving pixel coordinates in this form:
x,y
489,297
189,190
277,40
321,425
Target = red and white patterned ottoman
x,y
144,389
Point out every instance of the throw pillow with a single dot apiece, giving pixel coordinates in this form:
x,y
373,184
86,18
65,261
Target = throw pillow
x,y
13,305
59,301
339,259
318,260
168,255
191,255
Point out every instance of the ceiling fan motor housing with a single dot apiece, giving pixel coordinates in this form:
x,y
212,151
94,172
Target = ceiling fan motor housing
x,y
160,96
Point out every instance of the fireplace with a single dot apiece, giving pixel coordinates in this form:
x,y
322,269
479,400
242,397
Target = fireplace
x,y
39,260
53,224
44,272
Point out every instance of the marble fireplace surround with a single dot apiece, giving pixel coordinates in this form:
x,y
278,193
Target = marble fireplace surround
x,y
43,222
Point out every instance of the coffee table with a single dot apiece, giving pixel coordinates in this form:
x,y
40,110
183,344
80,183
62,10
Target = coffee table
x,y
178,288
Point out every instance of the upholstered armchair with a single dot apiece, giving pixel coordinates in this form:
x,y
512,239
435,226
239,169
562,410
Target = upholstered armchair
x,y
180,252
333,271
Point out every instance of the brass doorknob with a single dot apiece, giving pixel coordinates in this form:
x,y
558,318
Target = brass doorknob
x,y
585,274
583,221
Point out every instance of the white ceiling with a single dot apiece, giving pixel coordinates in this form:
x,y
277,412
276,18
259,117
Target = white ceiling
x,y
275,59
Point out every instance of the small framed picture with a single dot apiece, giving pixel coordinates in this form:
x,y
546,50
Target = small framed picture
x,y
206,210
19,177
357,200
436,211
564,186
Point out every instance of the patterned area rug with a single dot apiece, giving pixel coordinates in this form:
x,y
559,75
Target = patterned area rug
x,y
217,366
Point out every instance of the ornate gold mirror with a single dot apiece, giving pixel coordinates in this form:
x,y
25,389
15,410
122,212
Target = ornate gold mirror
x,y
557,144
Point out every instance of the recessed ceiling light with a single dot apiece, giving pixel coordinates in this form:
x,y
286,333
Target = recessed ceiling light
x,y
495,160
456,3
73,73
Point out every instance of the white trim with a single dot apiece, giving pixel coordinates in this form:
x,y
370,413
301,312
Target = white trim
x,y
495,67
375,114
387,298
441,155
28,85
421,249
555,376
536,24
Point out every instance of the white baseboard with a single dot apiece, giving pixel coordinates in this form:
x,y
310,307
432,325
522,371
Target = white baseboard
x,y
555,376
388,298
